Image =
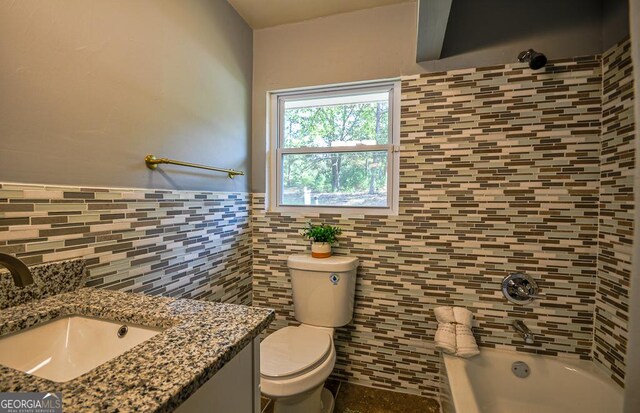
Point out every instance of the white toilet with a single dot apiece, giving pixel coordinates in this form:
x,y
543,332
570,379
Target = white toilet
x,y
296,361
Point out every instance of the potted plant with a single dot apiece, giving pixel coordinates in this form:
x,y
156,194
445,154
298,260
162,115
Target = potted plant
x,y
321,236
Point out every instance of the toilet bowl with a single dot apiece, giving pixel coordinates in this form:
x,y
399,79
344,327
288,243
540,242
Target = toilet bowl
x,y
294,364
296,361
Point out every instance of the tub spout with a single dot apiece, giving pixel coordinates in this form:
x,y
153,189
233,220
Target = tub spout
x,y
524,332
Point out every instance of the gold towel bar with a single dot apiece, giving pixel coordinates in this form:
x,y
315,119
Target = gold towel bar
x,y
153,162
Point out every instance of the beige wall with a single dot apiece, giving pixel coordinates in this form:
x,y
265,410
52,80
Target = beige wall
x,y
381,43
89,87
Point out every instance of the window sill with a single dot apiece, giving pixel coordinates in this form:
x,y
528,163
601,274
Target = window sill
x,y
343,211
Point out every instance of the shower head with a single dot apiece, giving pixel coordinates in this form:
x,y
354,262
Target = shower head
x,y
535,59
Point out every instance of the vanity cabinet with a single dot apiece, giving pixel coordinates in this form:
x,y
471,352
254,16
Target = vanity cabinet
x,y
233,389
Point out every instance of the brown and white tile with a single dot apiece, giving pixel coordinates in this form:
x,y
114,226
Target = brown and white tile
x,y
615,238
499,172
175,243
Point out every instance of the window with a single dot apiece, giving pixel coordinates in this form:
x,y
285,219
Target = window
x,y
335,149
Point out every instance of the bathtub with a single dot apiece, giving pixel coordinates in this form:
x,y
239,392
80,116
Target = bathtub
x,y
486,384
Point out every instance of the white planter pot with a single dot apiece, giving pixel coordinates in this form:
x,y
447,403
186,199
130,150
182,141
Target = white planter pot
x,y
320,249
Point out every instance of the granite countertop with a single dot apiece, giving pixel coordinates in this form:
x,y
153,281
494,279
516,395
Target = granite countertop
x,y
155,376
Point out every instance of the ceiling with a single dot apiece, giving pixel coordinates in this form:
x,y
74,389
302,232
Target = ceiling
x,y
260,14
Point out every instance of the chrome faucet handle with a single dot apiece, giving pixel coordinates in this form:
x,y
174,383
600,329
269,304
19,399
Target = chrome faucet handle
x,y
520,288
537,296
521,292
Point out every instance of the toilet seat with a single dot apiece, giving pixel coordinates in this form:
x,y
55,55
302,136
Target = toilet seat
x,y
304,362
293,351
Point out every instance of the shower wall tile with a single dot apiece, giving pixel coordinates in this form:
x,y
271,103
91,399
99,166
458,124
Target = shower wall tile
x,y
616,211
174,243
499,172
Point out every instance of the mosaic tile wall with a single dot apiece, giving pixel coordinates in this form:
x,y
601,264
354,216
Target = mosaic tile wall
x,y
173,243
616,211
499,172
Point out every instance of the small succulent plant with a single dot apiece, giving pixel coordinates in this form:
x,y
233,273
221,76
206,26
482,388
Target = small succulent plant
x,y
321,233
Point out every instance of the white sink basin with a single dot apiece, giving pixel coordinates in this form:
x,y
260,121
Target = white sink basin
x,y
64,349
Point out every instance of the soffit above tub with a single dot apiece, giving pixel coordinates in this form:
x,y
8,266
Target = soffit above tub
x,y
260,14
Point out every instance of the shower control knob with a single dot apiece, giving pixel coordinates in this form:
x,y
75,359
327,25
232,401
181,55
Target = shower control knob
x,y
520,288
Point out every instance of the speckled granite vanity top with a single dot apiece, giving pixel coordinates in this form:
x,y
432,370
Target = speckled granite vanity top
x,y
155,376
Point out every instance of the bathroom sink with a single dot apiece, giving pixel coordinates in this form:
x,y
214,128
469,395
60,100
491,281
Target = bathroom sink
x,y
66,348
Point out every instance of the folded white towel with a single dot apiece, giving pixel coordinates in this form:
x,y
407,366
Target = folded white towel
x,y
466,345
444,314
446,338
463,316
454,334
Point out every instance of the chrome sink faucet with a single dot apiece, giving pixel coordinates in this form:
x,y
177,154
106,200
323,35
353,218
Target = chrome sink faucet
x,y
524,332
18,269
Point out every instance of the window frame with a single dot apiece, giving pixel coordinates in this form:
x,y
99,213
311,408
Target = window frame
x,y
276,150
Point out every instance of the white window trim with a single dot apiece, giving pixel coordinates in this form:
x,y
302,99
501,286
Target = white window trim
x,y
275,140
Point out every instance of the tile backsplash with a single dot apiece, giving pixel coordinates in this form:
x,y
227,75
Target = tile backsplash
x,y
48,280
175,243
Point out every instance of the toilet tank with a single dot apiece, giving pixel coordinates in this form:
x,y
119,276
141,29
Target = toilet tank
x,y
323,289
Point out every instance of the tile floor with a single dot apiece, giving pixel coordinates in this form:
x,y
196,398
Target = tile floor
x,y
351,398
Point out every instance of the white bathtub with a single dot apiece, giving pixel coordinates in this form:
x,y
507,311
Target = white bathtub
x,y
486,384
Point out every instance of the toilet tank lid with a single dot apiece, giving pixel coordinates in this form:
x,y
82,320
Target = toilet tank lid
x,y
335,263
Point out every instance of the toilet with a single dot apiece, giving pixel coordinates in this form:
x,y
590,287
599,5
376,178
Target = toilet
x,y
296,361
